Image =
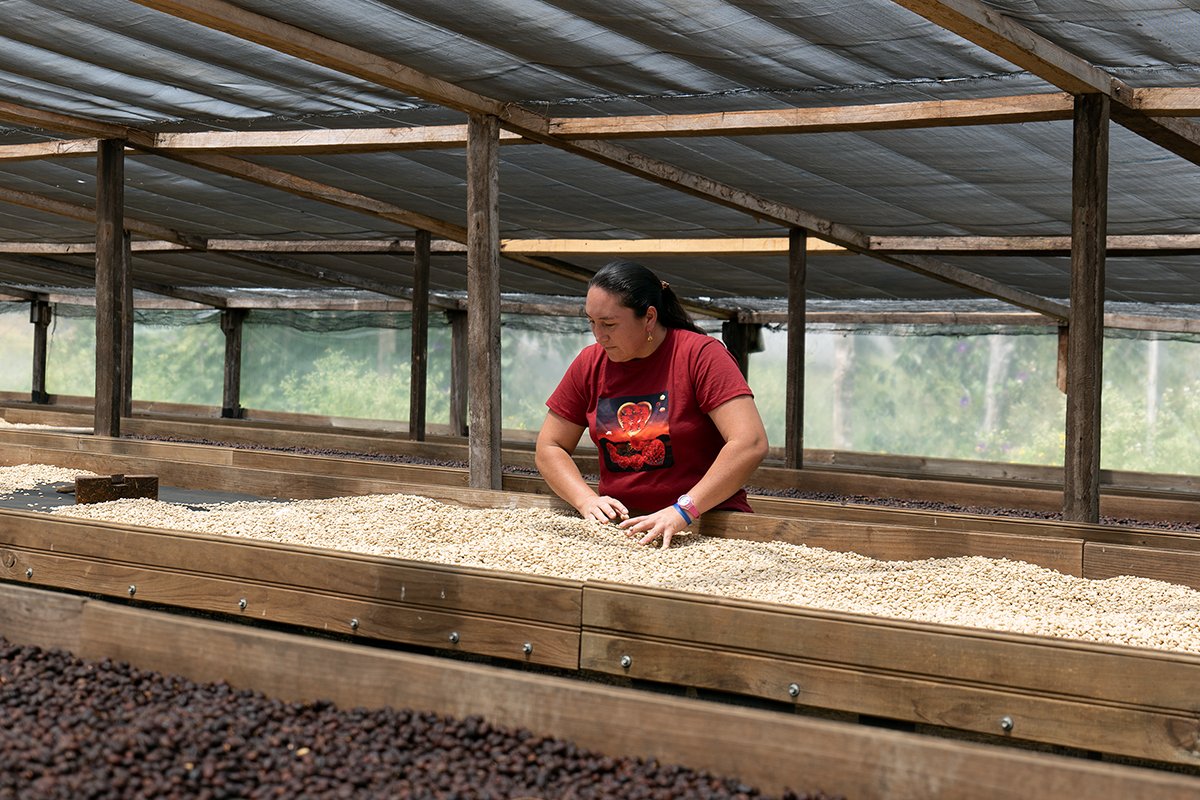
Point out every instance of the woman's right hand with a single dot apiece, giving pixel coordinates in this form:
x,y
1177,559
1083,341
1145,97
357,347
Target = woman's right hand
x,y
603,509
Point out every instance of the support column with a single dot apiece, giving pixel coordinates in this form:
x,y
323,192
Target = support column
x,y
231,394
1089,200
110,264
39,315
483,300
420,338
742,339
126,325
458,372
793,456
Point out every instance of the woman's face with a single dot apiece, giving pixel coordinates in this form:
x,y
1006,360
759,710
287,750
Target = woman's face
x,y
617,330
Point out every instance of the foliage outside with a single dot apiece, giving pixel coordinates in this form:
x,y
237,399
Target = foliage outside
x,y
972,396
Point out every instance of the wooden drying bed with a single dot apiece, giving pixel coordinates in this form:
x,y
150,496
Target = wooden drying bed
x,y
1126,495
1109,699
769,749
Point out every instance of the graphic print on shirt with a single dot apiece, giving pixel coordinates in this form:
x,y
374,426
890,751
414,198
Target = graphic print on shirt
x,y
634,432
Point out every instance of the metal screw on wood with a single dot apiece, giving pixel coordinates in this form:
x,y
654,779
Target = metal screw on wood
x,y
1006,723
626,661
354,624
132,589
454,637
242,604
794,689
527,647
29,572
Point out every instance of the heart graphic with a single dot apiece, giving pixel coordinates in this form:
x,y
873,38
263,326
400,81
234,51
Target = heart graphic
x,y
633,416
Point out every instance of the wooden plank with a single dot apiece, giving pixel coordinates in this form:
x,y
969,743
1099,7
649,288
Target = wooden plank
x,y
954,521
324,140
773,751
1121,700
896,542
483,297
492,613
60,148
1071,723
1084,380
39,618
1105,560
649,248
880,116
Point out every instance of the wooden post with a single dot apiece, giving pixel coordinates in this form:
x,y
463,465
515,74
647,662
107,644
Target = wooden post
x,y
742,339
420,338
1089,200
483,300
231,395
110,262
793,457
39,315
126,325
458,372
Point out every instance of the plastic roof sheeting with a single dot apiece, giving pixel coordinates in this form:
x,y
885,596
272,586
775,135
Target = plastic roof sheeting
x,y
119,61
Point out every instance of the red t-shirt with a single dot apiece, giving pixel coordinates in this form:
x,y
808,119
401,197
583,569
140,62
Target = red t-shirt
x,y
649,416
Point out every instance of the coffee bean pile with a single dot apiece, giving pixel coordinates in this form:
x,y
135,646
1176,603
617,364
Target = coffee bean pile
x,y
827,497
73,729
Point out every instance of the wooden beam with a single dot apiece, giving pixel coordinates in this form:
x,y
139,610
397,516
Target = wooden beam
x,y
303,187
58,148
368,66
391,245
334,276
110,266
1016,245
85,248
1168,101
62,123
793,418
148,229
1015,109
322,141
775,122
1089,202
419,363
89,274
483,301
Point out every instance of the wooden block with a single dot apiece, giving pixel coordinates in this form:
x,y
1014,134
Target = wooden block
x,y
103,488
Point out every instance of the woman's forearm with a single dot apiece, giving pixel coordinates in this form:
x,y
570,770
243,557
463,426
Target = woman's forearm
x,y
562,475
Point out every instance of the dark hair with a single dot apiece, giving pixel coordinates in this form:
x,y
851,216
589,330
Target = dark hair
x,y
638,288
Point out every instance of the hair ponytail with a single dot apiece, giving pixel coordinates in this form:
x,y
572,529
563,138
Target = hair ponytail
x,y
637,288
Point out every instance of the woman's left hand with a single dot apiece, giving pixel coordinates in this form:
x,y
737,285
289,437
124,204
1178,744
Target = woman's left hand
x,y
665,523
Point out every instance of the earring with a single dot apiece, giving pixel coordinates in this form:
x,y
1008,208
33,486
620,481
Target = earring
x,y
649,337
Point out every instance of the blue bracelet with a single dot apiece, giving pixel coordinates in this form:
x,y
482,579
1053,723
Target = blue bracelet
x,y
687,520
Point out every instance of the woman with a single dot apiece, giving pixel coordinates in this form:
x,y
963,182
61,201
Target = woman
x,y
668,409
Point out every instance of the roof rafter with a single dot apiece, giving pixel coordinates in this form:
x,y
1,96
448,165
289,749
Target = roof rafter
x,y
1014,42
345,58
88,273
